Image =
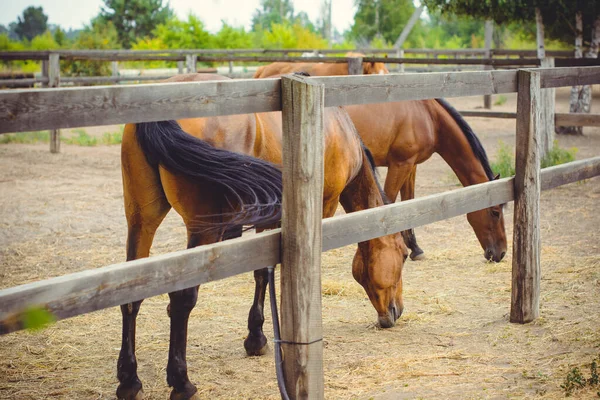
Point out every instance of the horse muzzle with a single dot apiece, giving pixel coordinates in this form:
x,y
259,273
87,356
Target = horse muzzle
x,y
495,255
388,320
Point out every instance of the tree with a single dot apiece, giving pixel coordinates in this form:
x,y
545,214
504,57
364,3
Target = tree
x,y
272,12
380,18
33,23
60,37
189,34
134,19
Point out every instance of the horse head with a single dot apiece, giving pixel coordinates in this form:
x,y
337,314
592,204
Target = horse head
x,y
377,266
488,225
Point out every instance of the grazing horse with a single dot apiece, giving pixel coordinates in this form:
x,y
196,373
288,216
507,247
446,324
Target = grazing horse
x,y
403,134
319,69
219,174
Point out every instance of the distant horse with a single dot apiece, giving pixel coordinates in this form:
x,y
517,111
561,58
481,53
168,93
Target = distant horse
x,y
319,69
219,174
403,134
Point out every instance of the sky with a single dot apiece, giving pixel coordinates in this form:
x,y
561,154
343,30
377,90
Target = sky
x,y
76,13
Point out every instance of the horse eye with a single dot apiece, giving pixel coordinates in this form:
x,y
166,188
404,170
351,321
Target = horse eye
x,y
496,213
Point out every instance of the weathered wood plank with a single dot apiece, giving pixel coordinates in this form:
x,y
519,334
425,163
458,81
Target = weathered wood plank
x,y
564,119
365,225
54,81
489,32
109,286
525,299
301,321
548,105
95,289
458,61
571,119
563,174
346,90
24,110
355,65
568,76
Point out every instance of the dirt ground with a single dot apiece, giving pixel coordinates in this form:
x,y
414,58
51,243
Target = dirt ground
x,y
64,213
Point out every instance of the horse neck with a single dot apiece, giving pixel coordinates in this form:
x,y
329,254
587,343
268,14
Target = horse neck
x,y
363,193
454,147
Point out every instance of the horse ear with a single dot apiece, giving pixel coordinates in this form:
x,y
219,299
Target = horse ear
x,y
497,177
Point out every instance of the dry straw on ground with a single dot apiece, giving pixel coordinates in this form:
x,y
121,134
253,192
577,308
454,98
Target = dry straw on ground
x,y
63,213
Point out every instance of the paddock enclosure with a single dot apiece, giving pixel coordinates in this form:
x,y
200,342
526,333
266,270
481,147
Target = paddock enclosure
x,y
63,213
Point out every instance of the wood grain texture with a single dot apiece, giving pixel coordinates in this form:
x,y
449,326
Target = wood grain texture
x,y
24,110
301,321
54,82
355,66
526,234
548,105
112,285
569,76
570,119
364,89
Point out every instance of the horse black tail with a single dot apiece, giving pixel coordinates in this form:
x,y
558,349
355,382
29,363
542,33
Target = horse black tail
x,y
252,187
473,140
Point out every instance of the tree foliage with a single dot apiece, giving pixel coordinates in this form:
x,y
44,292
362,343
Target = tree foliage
x,y
558,15
272,12
134,19
99,35
385,18
34,22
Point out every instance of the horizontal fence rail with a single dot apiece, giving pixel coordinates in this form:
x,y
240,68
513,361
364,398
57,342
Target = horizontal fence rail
x,y
109,286
564,119
24,110
112,55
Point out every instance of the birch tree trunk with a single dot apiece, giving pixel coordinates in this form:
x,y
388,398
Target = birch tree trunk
x,y
576,91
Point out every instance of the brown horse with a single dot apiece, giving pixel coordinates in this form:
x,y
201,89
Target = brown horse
x,y
222,173
319,69
403,134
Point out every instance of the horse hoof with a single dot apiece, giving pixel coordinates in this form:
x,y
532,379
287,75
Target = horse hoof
x,y
256,346
417,255
130,391
189,392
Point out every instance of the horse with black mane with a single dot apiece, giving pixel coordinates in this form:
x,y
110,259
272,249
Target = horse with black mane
x,y
222,173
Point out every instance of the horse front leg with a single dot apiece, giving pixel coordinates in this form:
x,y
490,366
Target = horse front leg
x,y
256,342
130,387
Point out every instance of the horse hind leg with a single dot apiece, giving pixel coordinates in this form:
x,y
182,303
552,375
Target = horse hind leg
x,y
145,208
407,192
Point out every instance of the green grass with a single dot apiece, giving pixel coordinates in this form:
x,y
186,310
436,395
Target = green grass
x,y
500,100
575,380
81,138
505,159
26,137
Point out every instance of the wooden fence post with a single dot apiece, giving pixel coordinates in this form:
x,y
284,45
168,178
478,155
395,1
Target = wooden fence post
x,y
191,60
400,54
301,321
230,65
355,66
180,67
115,69
489,31
525,299
547,104
54,81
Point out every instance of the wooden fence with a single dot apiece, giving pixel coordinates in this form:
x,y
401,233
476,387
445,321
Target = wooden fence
x,y
298,244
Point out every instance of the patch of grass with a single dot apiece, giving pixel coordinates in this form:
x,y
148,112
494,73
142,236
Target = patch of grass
x,y
110,138
500,100
26,137
558,156
82,138
575,380
505,159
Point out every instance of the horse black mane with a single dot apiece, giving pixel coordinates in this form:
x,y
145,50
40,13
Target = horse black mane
x,y
471,137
